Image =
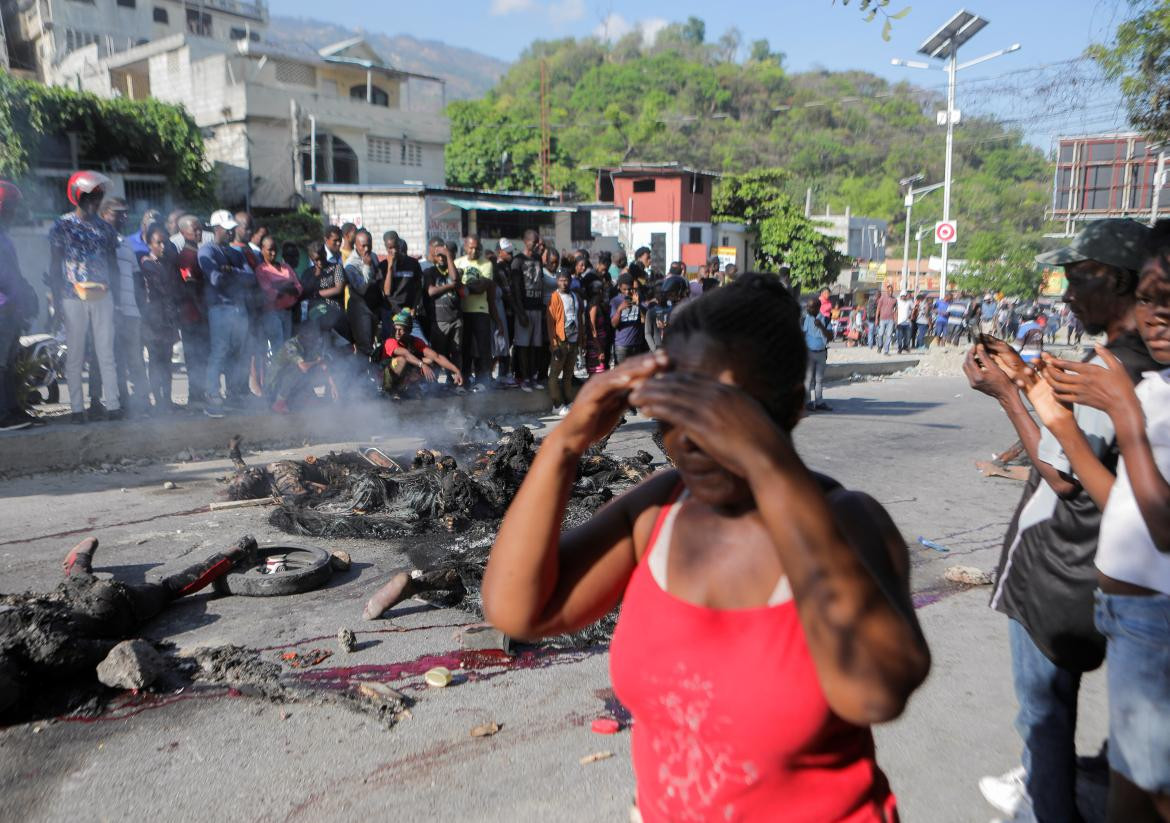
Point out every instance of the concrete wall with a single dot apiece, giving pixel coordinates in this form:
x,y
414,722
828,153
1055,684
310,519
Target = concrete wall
x,y
379,213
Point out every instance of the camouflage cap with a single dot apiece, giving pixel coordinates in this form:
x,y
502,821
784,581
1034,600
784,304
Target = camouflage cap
x,y
1114,242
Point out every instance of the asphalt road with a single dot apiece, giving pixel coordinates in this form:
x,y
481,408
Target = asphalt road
x,y
909,441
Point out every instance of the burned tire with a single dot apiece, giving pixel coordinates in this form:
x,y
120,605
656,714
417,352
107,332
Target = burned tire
x,y
305,568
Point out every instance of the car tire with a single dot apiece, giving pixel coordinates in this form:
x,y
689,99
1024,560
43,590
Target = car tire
x,y
309,568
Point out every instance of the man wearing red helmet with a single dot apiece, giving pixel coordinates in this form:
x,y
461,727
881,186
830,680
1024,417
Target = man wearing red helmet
x,y
82,270
18,302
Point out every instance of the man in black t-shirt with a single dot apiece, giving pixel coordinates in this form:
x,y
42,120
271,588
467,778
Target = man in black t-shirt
x,y
527,272
442,289
400,280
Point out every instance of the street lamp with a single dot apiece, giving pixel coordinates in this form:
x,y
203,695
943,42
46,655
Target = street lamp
x,y
944,44
910,195
918,256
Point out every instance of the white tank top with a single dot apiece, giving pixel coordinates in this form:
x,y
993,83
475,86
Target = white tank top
x,y
1125,549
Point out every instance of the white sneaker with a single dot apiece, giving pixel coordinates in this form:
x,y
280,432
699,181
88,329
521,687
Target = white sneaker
x,y
1007,792
563,411
525,387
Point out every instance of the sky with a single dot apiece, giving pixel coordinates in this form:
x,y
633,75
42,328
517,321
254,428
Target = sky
x,y
1043,88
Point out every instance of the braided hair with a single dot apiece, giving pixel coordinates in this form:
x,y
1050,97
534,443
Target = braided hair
x,y
757,320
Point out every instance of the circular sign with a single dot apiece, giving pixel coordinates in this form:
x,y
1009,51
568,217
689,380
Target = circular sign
x,y
944,231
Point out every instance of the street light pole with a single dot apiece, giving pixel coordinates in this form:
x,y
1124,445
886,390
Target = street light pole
x,y
918,258
910,195
944,45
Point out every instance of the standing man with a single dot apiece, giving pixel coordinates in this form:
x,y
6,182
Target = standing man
x,y
229,282
564,320
1046,578
363,308
17,305
528,289
83,273
401,283
479,313
987,314
886,313
505,305
193,309
442,291
905,309
128,359
941,309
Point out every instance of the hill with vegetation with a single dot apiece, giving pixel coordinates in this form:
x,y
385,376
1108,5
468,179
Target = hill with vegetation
x,y
850,136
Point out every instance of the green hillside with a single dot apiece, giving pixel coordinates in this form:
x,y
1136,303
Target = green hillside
x,y
684,100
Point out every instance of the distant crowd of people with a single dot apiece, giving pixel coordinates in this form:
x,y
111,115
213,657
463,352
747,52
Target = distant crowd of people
x,y
259,330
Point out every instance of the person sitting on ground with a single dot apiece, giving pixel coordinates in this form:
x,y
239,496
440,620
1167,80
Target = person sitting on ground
x,y
302,364
409,360
810,593
63,635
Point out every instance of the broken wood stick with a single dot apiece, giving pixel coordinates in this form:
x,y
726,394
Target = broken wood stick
x,y
240,504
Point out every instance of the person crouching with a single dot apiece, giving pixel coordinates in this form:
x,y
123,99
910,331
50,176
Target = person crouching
x,y
408,359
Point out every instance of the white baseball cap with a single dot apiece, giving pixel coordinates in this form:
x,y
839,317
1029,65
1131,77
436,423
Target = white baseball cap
x,y
505,245
223,219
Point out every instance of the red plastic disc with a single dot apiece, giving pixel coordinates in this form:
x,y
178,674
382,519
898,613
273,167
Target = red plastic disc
x,y
605,725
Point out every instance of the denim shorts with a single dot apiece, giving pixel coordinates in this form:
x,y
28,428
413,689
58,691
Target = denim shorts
x,y
1138,676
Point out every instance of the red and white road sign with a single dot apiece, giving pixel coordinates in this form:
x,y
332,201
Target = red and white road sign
x,y
945,231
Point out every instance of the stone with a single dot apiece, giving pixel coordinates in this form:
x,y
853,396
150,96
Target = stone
x,y
968,575
346,640
132,664
485,730
340,560
380,693
484,638
169,486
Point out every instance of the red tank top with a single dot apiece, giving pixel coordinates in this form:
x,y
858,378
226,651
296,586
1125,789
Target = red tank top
x,y
730,723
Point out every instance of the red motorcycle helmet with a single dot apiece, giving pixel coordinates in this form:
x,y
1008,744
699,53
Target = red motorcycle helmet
x,y
10,195
85,182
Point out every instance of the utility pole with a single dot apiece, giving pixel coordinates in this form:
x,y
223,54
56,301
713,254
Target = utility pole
x,y
545,136
910,195
918,259
944,44
1158,182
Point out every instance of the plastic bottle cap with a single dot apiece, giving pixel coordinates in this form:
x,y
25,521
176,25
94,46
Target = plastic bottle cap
x,y
438,677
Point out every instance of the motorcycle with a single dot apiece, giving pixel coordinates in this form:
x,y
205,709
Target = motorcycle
x,y
41,364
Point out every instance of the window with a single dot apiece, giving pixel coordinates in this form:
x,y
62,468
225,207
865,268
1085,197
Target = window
x,y
161,16
644,185
378,96
580,226
380,150
696,234
238,34
411,154
129,4
254,36
198,22
295,74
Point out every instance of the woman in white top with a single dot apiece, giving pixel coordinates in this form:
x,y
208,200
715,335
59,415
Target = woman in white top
x,y
1133,552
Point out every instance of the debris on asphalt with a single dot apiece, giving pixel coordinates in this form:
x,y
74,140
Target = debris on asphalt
x,y
380,693
930,544
485,730
341,560
605,725
968,575
346,640
239,504
483,638
439,677
303,660
991,468
593,758
132,664
169,486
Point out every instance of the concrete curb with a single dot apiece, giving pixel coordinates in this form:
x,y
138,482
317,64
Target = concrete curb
x,y
836,372
61,446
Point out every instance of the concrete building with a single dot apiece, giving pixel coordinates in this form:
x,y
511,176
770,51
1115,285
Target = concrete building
x,y
40,34
1108,175
275,119
420,212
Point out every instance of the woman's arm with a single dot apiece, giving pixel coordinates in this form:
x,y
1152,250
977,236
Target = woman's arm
x,y
845,561
539,582
336,288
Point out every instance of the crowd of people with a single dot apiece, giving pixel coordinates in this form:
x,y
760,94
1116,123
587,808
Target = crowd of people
x,y
260,330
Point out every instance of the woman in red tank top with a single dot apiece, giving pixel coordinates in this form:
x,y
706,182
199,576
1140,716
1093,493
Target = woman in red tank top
x,y
766,619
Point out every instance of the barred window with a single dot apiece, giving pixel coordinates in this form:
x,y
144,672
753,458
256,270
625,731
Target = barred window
x,y
411,154
380,150
295,74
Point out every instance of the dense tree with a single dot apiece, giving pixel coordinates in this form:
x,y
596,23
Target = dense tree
x,y
1139,57
849,136
783,235
1001,262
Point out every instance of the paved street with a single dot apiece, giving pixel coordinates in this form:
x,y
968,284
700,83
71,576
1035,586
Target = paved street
x,y
909,441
